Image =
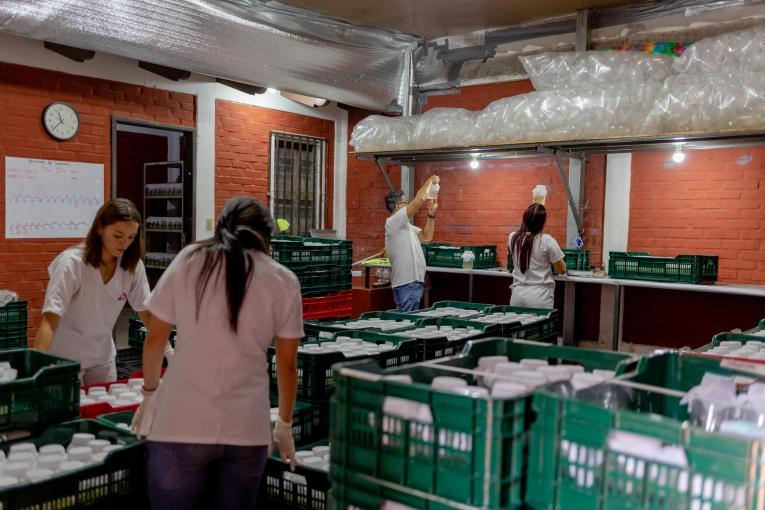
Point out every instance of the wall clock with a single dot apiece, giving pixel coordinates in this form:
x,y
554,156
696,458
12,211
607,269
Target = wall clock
x,y
61,121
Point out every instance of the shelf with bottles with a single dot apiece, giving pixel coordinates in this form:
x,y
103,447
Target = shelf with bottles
x,y
164,190
164,224
158,260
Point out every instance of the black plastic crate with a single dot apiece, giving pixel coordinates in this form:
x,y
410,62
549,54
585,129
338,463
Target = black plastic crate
x,y
13,325
137,334
119,482
305,488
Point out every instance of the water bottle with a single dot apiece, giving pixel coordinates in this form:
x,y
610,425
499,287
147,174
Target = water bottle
x,y
433,190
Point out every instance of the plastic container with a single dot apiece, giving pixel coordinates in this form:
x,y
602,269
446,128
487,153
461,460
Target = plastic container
x,y
316,280
296,251
467,450
305,488
13,325
541,331
332,306
539,194
444,255
681,269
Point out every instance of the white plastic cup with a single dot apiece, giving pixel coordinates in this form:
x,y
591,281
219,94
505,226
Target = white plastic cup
x,y
533,364
7,481
472,391
528,378
16,469
321,450
507,389
97,445
539,194
81,453
52,449
50,461
404,378
445,382
313,461
97,390
22,447
583,381
487,363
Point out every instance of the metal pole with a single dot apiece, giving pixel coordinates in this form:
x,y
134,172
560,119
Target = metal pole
x,y
571,203
384,174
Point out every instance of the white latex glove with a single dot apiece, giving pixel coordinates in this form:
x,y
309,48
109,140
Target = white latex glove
x,y
144,415
282,438
169,352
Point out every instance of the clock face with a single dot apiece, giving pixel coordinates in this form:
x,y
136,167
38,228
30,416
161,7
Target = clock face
x,y
61,121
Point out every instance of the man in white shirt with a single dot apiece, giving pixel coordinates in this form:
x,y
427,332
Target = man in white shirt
x,y
402,242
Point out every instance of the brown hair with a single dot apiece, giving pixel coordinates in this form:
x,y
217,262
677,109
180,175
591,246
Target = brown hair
x,y
117,209
534,218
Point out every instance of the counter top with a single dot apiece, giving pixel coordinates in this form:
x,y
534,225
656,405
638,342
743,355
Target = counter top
x,y
718,288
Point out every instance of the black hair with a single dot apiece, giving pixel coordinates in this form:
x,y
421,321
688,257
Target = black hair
x,y
244,225
534,218
113,211
391,199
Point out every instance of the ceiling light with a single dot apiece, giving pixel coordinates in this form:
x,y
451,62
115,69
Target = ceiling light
x,y
679,155
474,164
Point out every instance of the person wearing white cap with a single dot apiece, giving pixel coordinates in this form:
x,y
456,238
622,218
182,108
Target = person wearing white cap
x,y
208,423
89,285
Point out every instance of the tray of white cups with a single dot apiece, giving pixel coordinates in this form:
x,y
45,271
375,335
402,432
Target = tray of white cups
x,y
82,460
736,345
111,397
455,427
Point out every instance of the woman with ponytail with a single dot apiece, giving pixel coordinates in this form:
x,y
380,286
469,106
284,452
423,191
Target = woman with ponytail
x,y
534,255
208,423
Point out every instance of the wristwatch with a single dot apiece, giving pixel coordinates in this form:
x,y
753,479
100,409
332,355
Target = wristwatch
x,y
432,216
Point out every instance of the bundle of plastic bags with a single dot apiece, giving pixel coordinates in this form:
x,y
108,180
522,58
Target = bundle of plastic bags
x,y
379,133
734,52
592,69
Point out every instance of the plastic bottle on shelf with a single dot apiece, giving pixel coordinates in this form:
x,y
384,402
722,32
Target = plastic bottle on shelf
x,y
433,189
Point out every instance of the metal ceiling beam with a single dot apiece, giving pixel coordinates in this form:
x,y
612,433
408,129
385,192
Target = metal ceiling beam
x,y
170,73
242,87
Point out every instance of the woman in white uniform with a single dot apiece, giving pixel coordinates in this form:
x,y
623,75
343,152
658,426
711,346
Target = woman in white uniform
x,y
534,255
208,423
89,285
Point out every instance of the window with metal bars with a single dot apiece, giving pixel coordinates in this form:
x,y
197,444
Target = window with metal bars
x,y
297,181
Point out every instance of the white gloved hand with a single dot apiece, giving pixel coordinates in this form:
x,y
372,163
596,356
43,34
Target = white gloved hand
x,y
144,415
282,438
169,352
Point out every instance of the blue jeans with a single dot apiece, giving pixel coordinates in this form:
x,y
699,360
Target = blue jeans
x,y
188,476
408,296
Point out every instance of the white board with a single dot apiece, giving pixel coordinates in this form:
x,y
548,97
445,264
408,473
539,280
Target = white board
x,y
51,199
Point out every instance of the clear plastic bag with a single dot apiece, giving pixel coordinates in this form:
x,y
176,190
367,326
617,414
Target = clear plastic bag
x,y
709,103
590,69
734,52
379,133
445,127
615,110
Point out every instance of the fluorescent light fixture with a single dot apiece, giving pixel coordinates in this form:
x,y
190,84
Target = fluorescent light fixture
x,y
474,164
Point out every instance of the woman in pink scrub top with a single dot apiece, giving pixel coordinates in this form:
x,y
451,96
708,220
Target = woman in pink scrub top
x,y
208,422
88,287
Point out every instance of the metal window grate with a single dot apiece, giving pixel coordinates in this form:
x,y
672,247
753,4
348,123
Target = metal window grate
x,y
297,181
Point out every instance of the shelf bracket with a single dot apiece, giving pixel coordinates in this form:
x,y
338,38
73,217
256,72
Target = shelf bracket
x,y
384,174
571,202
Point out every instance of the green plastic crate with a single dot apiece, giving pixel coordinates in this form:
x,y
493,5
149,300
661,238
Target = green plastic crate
x,y
314,370
46,390
305,488
576,259
358,493
443,255
722,337
318,280
292,252
119,482
572,467
681,269
137,334
13,325
116,419
542,331
473,452
407,320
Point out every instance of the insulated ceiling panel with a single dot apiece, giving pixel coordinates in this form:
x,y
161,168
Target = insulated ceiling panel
x,y
438,18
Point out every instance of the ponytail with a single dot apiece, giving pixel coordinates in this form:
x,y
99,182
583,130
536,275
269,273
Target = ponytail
x,y
244,226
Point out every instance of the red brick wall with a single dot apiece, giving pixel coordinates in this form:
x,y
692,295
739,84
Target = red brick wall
x,y
712,203
242,146
24,92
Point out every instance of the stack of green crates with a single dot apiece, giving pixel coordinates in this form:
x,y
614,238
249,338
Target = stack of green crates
x,y
460,451
13,325
322,265
574,465
680,269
